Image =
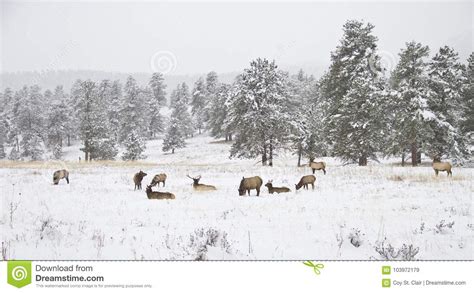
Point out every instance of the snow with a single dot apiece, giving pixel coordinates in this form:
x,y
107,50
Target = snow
x,y
99,215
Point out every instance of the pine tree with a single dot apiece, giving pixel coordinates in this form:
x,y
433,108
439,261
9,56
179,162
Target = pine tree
x,y
198,104
98,143
30,123
219,109
3,135
258,112
134,147
354,91
58,118
445,102
408,105
307,135
467,121
174,135
115,104
133,113
158,87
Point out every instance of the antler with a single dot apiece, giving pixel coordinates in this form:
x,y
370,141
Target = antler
x,y
190,177
199,177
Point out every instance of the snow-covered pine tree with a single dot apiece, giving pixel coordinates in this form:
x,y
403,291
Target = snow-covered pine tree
x,y
307,135
467,121
114,106
3,136
31,123
134,147
134,120
198,103
354,91
58,120
155,119
98,143
219,108
175,135
409,103
445,102
158,87
212,83
258,112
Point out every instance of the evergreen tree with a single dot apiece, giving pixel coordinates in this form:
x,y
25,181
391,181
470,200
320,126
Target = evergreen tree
x,y
134,111
353,89
134,147
114,106
258,112
467,120
409,106
158,87
219,109
198,104
3,135
445,102
98,143
175,135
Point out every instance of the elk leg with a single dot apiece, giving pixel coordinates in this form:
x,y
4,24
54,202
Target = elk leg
x,y
163,183
314,170
324,170
67,180
258,191
312,184
436,172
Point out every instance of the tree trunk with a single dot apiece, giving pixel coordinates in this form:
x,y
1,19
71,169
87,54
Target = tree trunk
x,y
68,140
270,157
403,159
363,161
199,130
418,157
264,156
300,153
172,151
414,155
230,137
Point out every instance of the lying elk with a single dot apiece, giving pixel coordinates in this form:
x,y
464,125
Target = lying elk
x,y
157,179
60,174
158,195
318,166
137,179
272,189
305,181
201,187
250,183
442,166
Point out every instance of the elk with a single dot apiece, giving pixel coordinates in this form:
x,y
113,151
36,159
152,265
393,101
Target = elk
x,y
137,179
272,189
158,195
158,178
318,166
305,181
442,166
201,187
60,174
246,184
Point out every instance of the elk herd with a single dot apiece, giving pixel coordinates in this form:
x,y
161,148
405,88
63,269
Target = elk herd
x,y
246,184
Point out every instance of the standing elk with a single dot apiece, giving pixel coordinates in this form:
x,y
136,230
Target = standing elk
x,y
305,181
250,183
201,187
159,178
318,166
60,174
442,166
272,189
158,195
137,179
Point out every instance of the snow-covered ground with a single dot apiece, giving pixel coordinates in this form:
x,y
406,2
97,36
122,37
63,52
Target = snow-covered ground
x,y
353,213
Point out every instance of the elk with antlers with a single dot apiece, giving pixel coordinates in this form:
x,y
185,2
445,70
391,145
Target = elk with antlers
x,y
201,187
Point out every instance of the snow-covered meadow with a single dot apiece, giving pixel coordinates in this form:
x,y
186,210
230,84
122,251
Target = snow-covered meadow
x,y
374,212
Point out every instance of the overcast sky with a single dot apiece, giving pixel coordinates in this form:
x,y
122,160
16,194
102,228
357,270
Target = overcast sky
x,y
214,36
